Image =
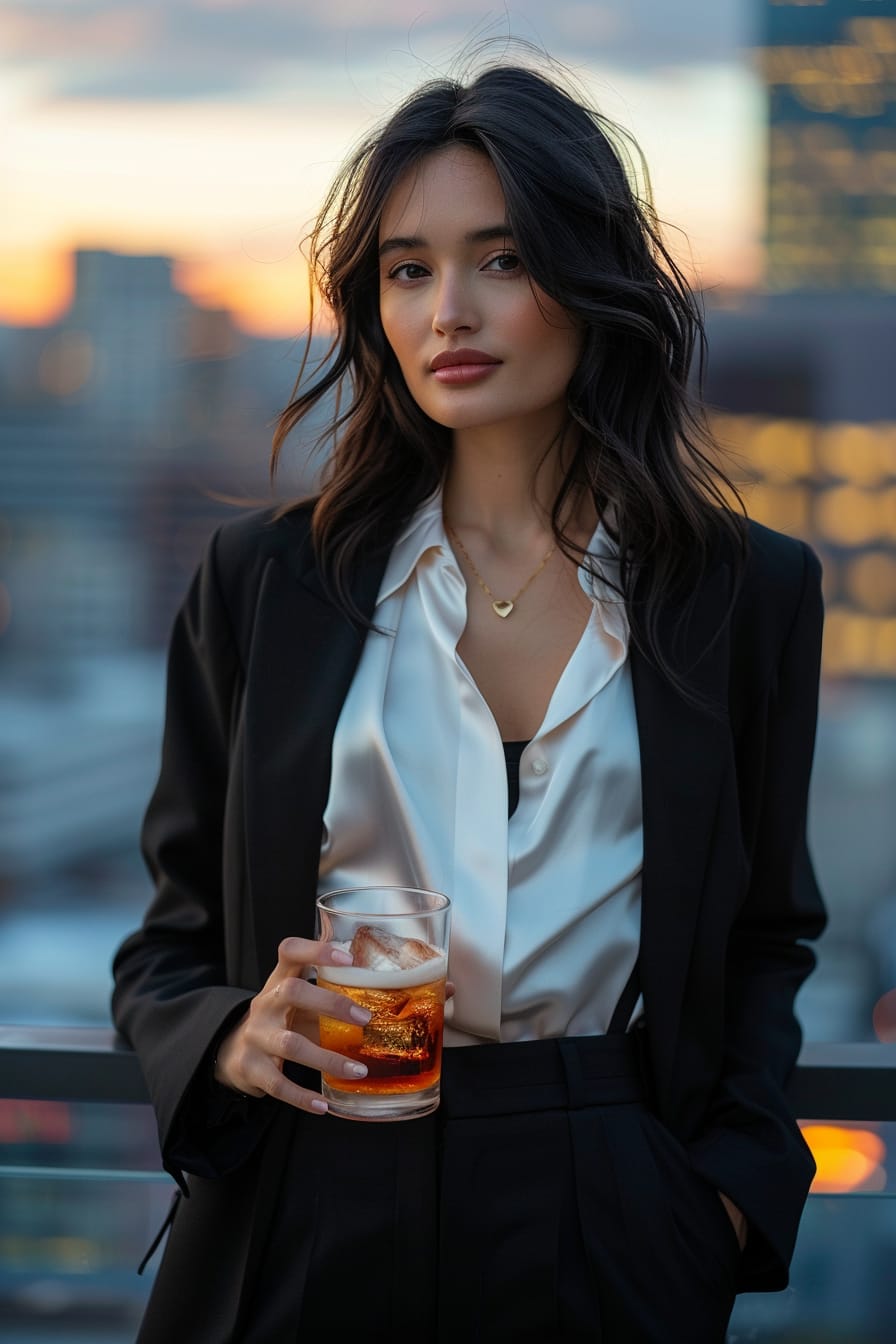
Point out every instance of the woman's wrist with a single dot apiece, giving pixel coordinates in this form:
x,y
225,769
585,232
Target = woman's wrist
x,y
220,1081
220,1071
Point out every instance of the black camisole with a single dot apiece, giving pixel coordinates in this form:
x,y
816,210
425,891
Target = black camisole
x,y
512,753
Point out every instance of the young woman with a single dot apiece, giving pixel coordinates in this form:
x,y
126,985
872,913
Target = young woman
x,y
519,650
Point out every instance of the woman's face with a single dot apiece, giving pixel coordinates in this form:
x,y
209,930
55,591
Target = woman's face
x,y
478,343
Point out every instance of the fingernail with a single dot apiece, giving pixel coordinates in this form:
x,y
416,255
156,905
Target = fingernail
x,y
341,957
360,1015
358,1070
320,1106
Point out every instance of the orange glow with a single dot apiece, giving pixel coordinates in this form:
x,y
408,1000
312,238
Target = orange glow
x,y
35,287
847,1159
232,181
237,183
265,298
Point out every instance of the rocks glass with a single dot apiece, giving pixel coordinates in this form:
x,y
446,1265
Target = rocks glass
x,y
398,938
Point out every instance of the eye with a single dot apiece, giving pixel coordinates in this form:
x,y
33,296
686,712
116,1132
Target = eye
x,y
407,270
507,263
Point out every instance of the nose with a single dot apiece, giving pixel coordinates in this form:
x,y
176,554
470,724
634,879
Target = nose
x,y
455,309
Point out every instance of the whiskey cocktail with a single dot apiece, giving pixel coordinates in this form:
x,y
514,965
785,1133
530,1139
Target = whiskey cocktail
x,y
398,939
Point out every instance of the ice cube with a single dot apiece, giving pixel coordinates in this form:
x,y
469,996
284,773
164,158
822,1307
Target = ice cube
x,y
410,1036
377,949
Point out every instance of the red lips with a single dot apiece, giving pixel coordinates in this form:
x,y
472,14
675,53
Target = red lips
x,y
447,358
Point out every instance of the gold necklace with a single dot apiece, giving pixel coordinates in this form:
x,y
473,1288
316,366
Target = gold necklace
x,y
501,606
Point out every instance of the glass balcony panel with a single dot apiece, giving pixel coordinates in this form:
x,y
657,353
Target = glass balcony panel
x,y
81,1198
69,1254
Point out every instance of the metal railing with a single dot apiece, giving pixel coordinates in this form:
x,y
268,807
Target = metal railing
x,y
833,1082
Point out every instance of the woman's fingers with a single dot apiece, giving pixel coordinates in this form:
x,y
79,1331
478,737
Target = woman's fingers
x,y
298,1049
281,1024
312,1001
296,953
277,1085
257,1068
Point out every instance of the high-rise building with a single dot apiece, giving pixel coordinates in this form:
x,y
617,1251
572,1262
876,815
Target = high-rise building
x,y
133,323
830,71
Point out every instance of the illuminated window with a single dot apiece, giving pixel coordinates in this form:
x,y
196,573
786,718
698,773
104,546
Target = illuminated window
x,y
784,508
858,645
832,170
782,449
848,516
862,454
884,648
871,582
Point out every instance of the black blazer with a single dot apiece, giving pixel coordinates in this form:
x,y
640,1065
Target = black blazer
x,y
260,664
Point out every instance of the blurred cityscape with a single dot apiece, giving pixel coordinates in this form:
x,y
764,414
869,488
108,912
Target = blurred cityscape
x,y
125,432
136,423
128,429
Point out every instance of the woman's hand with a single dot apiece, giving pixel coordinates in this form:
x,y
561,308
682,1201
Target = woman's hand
x,y
738,1221
282,1024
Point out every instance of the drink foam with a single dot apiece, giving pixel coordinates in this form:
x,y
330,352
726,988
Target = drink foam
x,y
361,977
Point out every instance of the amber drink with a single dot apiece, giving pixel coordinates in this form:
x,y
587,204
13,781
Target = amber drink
x,y
398,938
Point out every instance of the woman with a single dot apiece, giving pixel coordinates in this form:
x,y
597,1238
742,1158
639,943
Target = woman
x,y
521,539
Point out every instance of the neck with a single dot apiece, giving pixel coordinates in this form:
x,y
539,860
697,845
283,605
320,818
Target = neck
x,y
503,483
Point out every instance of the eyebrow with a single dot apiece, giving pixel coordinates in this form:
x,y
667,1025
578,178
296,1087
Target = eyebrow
x,y
488,235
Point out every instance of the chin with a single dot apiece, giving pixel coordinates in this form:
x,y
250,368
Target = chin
x,y
471,416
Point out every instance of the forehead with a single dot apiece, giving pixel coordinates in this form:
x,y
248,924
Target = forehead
x,y
453,188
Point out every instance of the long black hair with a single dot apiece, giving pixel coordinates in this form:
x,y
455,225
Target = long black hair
x,y
641,446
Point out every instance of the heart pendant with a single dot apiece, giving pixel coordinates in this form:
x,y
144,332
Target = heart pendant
x,y
502,608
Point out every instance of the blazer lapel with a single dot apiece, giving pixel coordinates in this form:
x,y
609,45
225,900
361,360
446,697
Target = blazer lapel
x,y
684,750
304,655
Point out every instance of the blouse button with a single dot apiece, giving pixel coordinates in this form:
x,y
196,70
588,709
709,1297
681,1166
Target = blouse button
x,y
539,766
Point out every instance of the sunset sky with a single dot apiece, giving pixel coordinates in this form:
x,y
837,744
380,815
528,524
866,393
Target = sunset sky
x,y
209,129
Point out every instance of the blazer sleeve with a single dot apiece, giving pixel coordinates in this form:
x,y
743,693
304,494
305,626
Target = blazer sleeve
x,y
171,998
751,1147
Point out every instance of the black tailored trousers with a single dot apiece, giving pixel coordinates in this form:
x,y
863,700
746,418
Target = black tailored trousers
x,y
544,1200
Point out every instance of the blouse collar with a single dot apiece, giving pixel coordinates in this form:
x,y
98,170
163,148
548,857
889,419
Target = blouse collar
x,y
425,532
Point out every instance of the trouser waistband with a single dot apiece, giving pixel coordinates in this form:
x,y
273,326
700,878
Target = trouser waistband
x,y
564,1073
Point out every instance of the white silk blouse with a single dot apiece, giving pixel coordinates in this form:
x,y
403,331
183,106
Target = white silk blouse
x,y
546,904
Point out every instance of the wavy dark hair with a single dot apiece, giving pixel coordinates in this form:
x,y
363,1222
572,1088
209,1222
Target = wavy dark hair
x,y
640,444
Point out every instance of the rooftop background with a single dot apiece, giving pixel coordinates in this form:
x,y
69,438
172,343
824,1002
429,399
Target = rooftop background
x,y
160,164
